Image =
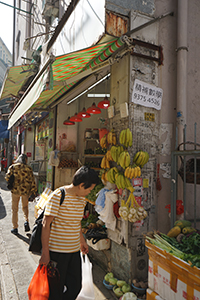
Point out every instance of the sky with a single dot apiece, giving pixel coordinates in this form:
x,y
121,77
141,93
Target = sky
x,y
6,23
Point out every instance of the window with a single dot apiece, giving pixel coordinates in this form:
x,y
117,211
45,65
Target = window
x,y
0,52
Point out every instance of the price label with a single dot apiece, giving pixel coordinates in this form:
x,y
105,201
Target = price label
x,y
145,182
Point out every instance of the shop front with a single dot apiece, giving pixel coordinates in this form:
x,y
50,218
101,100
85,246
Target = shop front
x,y
43,145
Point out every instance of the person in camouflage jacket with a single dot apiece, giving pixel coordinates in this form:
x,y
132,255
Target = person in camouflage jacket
x,y
24,186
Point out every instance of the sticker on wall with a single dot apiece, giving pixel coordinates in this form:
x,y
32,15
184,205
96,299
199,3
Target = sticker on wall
x,y
147,95
111,112
167,168
124,110
145,183
165,137
149,117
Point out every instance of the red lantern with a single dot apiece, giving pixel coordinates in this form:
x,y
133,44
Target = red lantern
x,y
68,122
93,109
83,114
75,118
105,103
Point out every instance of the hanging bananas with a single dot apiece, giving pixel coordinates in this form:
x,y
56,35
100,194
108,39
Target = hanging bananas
x,y
108,155
112,175
141,158
124,159
115,152
132,172
103,142
105,163
111,138
126,138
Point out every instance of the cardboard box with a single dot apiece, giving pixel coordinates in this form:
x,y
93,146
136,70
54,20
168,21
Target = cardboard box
x,y
151,295
170,277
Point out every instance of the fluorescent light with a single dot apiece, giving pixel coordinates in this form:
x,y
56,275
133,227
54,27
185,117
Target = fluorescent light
x,y
98,95
88,89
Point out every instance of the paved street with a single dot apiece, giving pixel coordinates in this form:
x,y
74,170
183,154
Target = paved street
x,y
17,264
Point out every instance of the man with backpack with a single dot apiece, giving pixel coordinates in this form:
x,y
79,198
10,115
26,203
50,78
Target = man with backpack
x,y
62,237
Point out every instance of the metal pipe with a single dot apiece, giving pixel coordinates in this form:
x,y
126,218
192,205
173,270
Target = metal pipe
x,y
182,66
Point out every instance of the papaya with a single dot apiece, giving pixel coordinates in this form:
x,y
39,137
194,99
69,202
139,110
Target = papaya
x,y
187,230
174,232
183,223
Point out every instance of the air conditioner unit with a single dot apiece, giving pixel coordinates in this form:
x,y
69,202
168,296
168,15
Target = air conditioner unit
x,y
50,8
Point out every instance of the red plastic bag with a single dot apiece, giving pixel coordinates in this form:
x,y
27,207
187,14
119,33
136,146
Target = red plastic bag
x,y
116,209
39,287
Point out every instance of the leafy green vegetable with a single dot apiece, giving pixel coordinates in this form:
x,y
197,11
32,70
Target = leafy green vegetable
x,y
188,250
93,218
92,196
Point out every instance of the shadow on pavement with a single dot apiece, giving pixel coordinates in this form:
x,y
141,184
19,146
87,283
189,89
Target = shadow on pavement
x,y
23,238
3,182
2,209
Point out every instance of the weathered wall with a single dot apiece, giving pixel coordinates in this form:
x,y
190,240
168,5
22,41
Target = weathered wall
x,y
124,7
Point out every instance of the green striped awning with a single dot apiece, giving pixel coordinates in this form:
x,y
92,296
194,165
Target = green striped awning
x,y
14,80
67,70
67,67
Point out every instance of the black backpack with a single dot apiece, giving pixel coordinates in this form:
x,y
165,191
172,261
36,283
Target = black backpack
x,y
35,244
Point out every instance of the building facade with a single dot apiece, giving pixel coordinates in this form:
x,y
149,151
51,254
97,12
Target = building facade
x,y
149,52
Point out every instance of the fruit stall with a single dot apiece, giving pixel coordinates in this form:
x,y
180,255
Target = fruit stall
x,y
174,263
118,168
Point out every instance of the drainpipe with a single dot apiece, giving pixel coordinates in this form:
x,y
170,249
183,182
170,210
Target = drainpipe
x,y
182,50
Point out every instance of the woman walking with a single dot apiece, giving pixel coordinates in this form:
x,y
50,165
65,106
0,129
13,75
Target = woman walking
x,y
24,186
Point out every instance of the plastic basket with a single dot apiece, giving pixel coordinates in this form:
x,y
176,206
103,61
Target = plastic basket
x,y
138,290
107,285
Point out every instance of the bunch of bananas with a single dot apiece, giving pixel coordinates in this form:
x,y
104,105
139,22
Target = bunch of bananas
x,y
103,175
112,175
108,155
115,152
124,159
103,142
105,163
111,138
132,172
141,158
122,182
126,138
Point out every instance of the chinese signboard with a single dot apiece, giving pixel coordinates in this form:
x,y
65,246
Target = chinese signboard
x,y
147,95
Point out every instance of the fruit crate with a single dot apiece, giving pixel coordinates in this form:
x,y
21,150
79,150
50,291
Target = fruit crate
x,y
170,277
151,295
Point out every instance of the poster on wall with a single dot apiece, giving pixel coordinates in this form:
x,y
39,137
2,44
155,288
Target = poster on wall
x,y
147,95
39,151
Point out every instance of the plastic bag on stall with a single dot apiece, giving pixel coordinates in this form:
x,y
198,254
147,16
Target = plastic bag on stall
x,y
87,291
53,159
